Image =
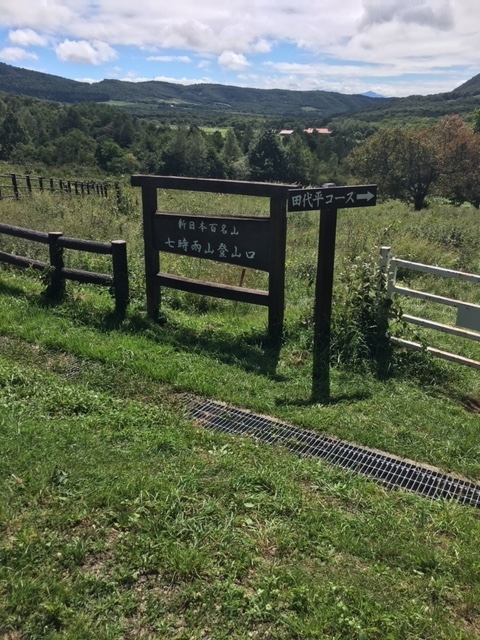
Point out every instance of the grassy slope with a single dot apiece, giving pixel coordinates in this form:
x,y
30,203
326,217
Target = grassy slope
x,y
120,518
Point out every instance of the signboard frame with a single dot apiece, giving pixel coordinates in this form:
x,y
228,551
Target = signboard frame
x,y
269,254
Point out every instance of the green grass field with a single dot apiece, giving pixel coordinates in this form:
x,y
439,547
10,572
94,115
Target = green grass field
x,y
120,518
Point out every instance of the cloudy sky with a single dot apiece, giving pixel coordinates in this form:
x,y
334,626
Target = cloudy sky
x,y
392,47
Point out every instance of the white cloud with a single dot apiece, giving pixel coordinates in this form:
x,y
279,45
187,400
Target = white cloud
x,y
27,38
83,52
185,59
16,54
131,77
436,14
233,61
382,38
87,80
262,46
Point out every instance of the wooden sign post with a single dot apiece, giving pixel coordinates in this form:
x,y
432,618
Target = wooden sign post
x,y
328,200
255,242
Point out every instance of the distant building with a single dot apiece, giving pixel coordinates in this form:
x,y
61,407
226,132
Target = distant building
x,y
322,131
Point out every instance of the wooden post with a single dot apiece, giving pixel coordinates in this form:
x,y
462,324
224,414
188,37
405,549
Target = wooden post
x,y
15,186
82,187
152,259
120,275
56,287
276,285
52,185
40,184
29,184
323,305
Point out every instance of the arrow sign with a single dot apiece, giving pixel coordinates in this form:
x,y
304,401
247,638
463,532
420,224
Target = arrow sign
x,y
332,198
365,196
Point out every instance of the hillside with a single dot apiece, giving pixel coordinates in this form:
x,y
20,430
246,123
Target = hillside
x,y
221,98
471,87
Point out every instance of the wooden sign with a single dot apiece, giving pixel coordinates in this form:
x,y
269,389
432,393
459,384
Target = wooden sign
x,y
328,200
332,198
244,241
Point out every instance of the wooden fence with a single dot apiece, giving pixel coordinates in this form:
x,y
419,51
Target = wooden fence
x,y
467,323
57,242
14,185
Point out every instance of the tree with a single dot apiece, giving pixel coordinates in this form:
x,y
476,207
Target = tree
x,y
12,132
403,162
458,148
267,159
299,160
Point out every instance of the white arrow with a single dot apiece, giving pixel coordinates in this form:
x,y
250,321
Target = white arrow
x,y
365,196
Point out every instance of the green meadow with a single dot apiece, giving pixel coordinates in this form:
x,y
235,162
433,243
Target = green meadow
x,y
122,518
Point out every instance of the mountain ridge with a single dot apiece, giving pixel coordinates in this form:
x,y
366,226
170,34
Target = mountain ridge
x,y
219,97
157,98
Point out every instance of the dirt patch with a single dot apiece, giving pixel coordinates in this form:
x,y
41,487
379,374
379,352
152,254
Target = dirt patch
x,y
470,404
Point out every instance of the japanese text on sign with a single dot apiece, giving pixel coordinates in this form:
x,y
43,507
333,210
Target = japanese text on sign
x,y
238,240
332,197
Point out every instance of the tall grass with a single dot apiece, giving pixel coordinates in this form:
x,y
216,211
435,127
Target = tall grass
x,y
443,235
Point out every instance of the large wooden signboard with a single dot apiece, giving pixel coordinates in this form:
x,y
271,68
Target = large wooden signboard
x,y
236,240
249,242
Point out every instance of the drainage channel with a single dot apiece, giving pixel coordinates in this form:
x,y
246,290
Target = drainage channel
x,y
387,469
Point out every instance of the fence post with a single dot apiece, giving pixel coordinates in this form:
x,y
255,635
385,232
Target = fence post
x,y
276,281
15,186
383,352
40,184
120,275
118,193
29,184
56,285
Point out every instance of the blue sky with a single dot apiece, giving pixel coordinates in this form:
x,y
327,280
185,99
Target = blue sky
x,y
392,47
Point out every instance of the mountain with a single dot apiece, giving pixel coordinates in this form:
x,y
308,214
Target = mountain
x,y
156,98
372,94
471,87
199,97
461,101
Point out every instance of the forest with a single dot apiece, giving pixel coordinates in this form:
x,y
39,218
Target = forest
x,y
408,160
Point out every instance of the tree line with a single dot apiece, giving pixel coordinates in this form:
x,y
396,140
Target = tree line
x,y
413,162
407,162
98,135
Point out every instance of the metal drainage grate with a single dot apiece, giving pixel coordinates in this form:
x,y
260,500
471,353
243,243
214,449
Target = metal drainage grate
x,y
388,469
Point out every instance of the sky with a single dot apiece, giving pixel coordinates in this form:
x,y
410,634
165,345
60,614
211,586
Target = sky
x,y
391,47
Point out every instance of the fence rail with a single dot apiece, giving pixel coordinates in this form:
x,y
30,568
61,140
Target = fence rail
x,y
467,324
57,242
14,185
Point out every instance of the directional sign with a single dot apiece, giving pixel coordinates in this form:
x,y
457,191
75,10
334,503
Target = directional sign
x,y
332,198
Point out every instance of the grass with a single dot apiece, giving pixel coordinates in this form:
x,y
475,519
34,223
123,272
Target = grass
x,y
120,518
